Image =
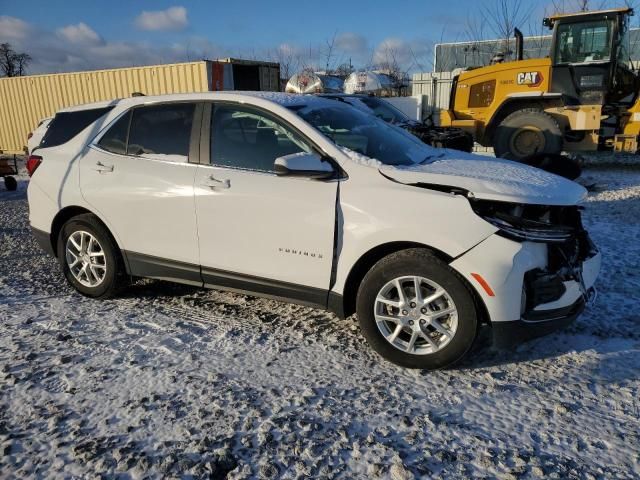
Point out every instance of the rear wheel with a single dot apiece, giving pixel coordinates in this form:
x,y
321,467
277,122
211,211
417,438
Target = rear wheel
x,y
10,183
89,257
527,132
415,311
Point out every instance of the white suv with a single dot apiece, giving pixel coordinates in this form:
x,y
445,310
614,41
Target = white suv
x,y
35,137
309,200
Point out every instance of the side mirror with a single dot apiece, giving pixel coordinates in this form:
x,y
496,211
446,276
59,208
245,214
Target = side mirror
x,y
303,164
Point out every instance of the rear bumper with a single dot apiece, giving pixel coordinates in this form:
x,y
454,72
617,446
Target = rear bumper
x,y
44,240
507,334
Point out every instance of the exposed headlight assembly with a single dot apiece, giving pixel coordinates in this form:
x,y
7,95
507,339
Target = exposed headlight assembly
x,y
532,223
532,231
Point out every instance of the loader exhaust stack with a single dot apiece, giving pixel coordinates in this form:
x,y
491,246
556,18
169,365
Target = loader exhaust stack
x,y
519,44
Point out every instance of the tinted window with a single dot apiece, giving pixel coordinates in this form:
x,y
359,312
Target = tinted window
x,y
584,42
161,131
384,110
244,138
115,140
67,125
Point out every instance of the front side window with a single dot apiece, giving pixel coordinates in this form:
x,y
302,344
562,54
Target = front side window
x,y
584,42
242,137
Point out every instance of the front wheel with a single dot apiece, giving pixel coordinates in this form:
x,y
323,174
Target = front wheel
x,y
416,311
527,132
89,257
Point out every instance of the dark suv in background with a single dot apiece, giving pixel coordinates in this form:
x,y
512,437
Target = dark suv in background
x,y
454,138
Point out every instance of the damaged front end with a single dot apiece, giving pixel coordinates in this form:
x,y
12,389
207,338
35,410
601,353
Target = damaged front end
x,y
533,223
561,229
556,293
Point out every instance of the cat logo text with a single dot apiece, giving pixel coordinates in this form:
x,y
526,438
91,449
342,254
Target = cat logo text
x,y
531,79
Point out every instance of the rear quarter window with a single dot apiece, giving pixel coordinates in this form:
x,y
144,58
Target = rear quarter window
x,y
66,125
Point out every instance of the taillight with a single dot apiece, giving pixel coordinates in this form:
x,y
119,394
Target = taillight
x,y
33,162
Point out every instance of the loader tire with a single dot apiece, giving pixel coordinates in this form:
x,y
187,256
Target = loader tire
x,y
527,132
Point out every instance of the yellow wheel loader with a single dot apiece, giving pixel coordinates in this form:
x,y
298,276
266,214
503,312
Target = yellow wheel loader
x,y
583,97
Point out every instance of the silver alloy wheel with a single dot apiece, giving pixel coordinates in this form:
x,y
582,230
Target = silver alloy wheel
x,y
85,259
416,315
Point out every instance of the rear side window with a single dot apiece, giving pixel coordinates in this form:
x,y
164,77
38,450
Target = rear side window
x,y
66,125
161,131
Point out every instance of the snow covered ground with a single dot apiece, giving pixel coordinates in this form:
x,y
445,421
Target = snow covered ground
x,y
169,380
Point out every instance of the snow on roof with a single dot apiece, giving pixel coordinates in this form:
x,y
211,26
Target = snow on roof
x,y
288,99
90,106
283,99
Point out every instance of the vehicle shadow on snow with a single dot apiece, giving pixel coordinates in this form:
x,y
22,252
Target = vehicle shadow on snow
x,y
482,355
617,358
143,288
12,196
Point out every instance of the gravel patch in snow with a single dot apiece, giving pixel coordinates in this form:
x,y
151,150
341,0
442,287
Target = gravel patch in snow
x,y
174,381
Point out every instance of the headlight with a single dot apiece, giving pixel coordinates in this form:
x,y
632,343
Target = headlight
x,y
532,231
533,223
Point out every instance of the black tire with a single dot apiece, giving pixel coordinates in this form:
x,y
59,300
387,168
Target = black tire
x,y
566,167
114,275
422,263
10,183
527,132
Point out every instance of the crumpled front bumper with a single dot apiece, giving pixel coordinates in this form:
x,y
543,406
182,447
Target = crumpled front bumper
x,y
507,267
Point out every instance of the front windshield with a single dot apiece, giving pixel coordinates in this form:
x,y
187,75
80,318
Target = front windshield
x,y
365,134
584,42
384,110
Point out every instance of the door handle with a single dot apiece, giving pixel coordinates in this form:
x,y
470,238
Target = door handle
x,y
213,182
102,168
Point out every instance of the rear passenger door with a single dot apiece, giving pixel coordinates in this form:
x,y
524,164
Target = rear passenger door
x,y
139,177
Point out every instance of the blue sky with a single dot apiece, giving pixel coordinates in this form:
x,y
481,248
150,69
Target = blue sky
x,y
77,35
249,21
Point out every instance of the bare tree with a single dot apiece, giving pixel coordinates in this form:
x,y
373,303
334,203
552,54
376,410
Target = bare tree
x,y
22,61
475,33
344,70
475,28
389,63
327,51
289,59
539,40
503,16
13,64
569,6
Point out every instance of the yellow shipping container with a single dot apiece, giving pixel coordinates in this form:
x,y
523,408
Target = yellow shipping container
x,y
24,101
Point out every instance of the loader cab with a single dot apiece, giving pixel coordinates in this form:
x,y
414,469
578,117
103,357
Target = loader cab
x,y
590,57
